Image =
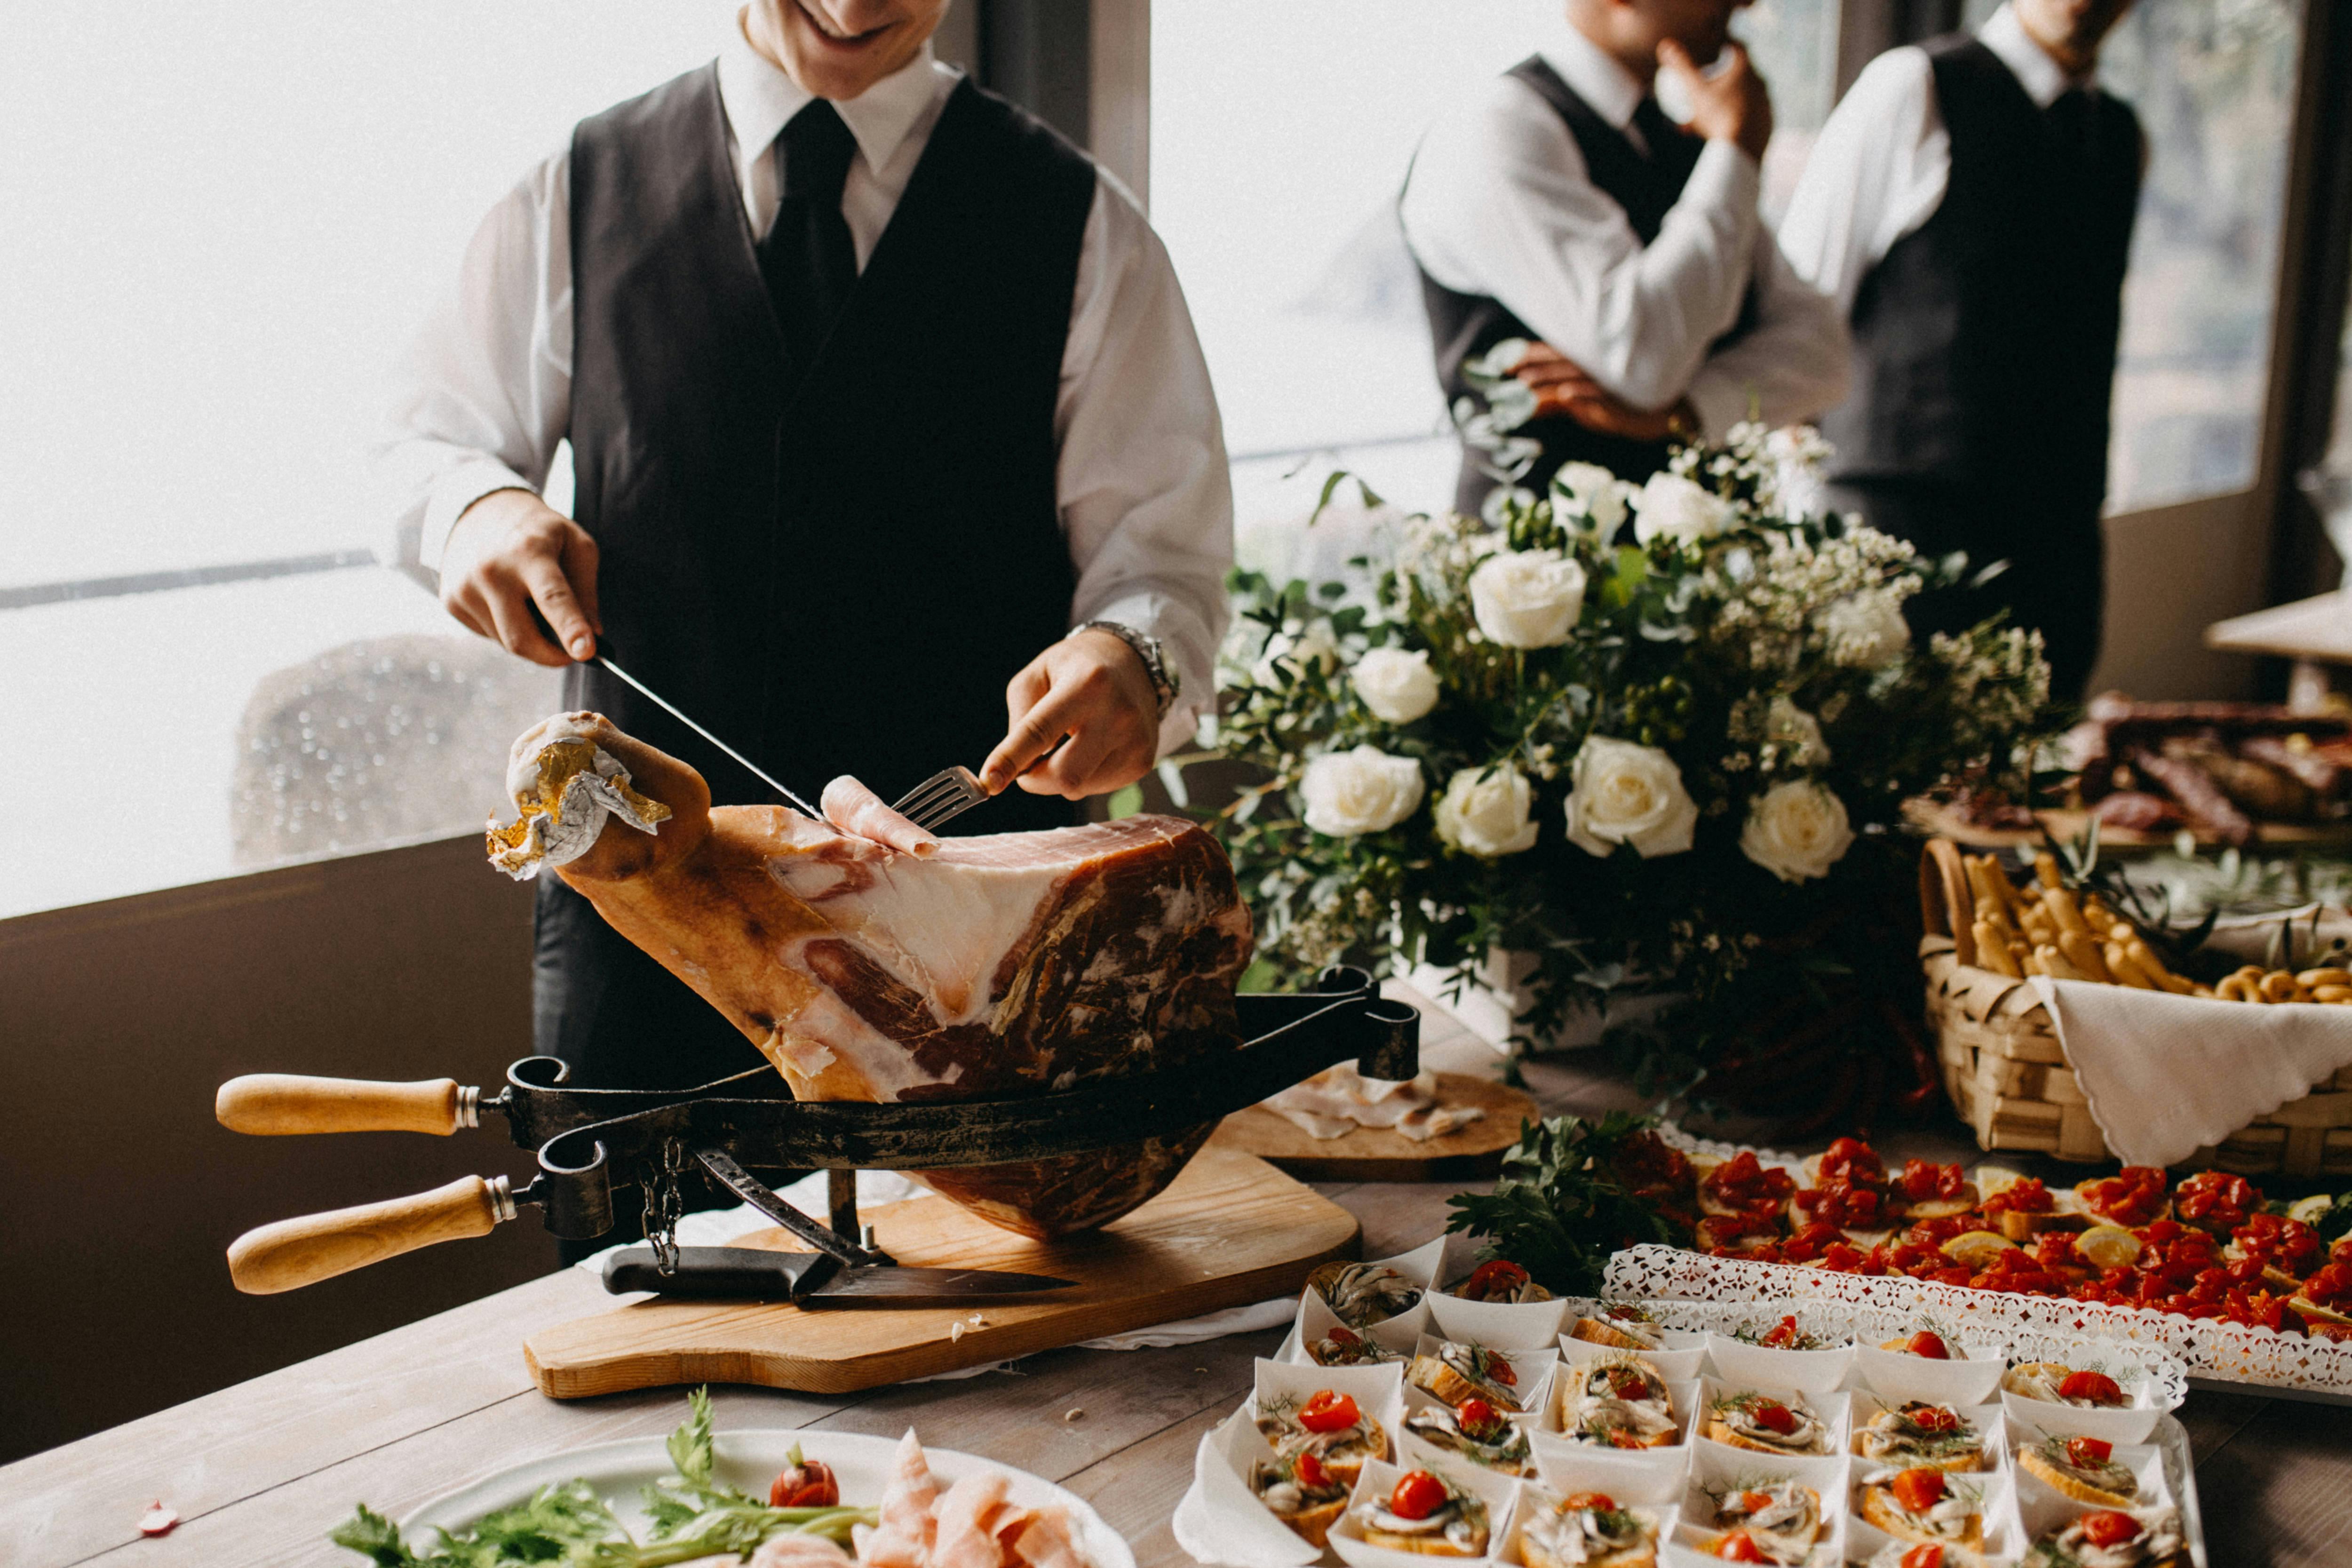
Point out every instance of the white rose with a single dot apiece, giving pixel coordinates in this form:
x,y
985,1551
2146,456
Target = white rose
x,y
1600,495
1527,598
1866,630
1302,650
1797,734
1628,794
1672,507
1796,830
1396,685
1362,790
1485,812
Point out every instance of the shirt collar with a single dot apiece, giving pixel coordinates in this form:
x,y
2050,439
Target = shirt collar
x,y
2042,77
1598,77
760,100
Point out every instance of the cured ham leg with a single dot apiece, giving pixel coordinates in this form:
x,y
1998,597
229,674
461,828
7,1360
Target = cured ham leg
x,y
936,969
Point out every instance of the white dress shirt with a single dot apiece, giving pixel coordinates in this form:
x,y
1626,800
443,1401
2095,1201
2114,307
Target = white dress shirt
x,y
1880,165
484,393
1499,203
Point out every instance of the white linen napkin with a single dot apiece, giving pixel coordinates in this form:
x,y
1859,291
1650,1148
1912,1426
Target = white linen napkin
x,y
2166,1075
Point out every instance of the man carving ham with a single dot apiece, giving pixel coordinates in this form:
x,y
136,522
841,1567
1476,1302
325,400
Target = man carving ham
x,y
876,389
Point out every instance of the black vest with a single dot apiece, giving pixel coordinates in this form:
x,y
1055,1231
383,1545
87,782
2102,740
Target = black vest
x,y
1464,326
1984,343
835,566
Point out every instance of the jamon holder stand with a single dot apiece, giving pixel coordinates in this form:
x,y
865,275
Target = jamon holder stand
x,y
591,1142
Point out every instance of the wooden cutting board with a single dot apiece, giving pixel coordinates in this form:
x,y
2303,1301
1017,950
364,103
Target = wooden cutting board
x,y
1231,1230
1470,1153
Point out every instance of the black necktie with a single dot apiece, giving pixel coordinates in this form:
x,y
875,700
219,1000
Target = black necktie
x,y
808,259
1658,130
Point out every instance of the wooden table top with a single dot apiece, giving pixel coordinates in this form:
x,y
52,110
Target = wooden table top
x,y
2317,628
259,1472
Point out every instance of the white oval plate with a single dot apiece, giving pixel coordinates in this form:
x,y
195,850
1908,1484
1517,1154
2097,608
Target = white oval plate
x,y
748,1459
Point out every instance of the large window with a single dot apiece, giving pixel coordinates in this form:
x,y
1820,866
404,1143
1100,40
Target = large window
x,y
1274,174
223,219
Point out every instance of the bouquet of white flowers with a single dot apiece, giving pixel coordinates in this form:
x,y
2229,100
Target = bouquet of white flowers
x,y
1658,739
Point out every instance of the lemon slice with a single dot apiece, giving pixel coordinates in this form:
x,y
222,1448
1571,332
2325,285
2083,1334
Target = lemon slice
x,y
1991,1180
2107,1247
2310,1210
1978,1249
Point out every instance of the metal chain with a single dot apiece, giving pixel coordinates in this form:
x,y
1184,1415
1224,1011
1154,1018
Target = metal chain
x,y
663,1205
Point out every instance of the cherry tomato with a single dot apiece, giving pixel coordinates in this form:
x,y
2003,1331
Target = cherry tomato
x,y
1341,1335
2108,1528
1500,1372
1782,1336
1621,1438
1494,1278
1599,1502
2084,1452
1327,1412
1929,1346
1418,1495
1925,1556
1475,1416
1918,1490
2095,1386
806,1483
1755,1503
1626,1384
1311,1470
1934,1418
1739,1547
1775,1417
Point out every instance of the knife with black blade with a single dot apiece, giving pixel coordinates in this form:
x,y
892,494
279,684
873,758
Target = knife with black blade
x,y
753,1273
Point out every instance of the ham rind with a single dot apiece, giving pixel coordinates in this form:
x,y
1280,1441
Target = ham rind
x,y
859,812
1003,965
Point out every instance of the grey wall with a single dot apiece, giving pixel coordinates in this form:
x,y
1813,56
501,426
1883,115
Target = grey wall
x,y
119,1192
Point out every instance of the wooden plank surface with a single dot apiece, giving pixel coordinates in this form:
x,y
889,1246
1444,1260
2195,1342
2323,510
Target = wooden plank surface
x,y
260,1472
1469,1153
1229,1231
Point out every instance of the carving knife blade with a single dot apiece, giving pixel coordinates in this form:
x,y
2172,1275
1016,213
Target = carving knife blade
x,y
667,705
751,1273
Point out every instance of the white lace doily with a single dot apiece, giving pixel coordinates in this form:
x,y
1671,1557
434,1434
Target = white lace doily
x,y
2229,1351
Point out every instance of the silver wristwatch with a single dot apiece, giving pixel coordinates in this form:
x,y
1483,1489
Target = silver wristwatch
x,y
1166,680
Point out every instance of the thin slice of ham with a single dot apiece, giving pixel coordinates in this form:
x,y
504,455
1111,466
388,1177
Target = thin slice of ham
x,y
903,1539
849,806
963,1539
1338,1100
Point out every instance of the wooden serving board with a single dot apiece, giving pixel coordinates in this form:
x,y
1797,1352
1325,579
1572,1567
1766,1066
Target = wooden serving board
x,y
1230,1230
1468,1153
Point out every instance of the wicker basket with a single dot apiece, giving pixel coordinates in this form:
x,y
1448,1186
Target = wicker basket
x,y
2010,1080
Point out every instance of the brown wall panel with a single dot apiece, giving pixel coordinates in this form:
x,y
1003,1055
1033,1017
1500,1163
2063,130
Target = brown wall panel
x,y
119,1192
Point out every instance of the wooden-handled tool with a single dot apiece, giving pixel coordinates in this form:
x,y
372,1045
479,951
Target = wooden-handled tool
x,y
291,1253
272,1104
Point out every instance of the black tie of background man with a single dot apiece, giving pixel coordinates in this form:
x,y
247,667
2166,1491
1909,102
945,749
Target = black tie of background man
x,y
808,259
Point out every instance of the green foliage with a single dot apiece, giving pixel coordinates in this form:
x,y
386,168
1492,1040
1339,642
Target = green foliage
x,y
1698,649
693,1514
1558,1210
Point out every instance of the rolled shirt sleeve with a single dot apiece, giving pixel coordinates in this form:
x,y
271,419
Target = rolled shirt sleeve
x,y
1145,490
1500,203
482,395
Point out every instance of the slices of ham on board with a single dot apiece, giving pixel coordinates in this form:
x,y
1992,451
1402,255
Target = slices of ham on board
x,y
869,960
1338,1100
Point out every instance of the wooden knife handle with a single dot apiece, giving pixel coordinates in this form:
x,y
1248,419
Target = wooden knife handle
x,y
292,1253
275,1103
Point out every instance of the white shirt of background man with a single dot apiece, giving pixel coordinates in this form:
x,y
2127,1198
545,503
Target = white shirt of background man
x,y
483,396
1499,203
1880,166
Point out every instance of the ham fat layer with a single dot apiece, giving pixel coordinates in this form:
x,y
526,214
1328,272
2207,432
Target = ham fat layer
x,y
995,967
